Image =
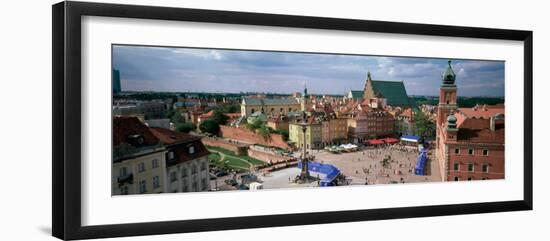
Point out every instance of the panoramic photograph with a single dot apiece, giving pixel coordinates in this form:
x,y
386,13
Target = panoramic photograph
x,y
202,119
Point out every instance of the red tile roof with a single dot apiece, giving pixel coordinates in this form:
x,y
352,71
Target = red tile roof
x,y
170,137
474,124
407,113
124,127
482,111
180,144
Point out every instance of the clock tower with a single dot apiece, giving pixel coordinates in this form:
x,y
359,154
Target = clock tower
x,y
447,95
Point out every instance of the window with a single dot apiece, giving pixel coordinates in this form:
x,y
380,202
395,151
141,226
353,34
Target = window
x,y
142,186
470,178
485,168
457,151
194,186
485,152
173,177
203,166
193,169
253,110
470,151
456,166
155,163
457,179
141,167
281,110
289,109
184,172
191,149
471,167
156,182
170,155
123,171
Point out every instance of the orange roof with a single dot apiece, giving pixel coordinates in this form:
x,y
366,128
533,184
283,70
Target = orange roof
x,y
233,115
482,111
407,113
170,137
124,126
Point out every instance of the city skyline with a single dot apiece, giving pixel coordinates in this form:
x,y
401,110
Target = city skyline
x,y
166,69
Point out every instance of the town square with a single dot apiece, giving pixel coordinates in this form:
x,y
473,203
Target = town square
x,y
303,133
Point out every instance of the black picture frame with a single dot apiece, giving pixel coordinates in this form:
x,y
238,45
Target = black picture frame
x,y
66,75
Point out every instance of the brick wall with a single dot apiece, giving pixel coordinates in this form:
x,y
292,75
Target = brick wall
x,y
267,157
245,135
237,148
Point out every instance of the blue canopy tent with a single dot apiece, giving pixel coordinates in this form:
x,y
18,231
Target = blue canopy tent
x,y
420,168
410,138
330,171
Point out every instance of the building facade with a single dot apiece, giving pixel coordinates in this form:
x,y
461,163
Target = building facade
x,y
313,138
269,106
138,165
404,122
469,141
187,164
393,92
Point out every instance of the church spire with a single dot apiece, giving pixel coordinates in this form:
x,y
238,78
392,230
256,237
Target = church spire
x,y
368,75
449,76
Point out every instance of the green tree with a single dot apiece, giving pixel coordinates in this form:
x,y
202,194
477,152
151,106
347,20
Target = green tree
x,y
423,126
170,113
185,127
256,124
230,108
265,132
210,126
177,117
219,117
284,133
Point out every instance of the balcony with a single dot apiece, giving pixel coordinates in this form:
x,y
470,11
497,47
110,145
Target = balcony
x,y
128,178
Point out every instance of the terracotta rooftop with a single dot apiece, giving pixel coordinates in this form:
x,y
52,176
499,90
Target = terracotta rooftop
x,y
482,111
125,127
474,124
180,144
170,137
407,113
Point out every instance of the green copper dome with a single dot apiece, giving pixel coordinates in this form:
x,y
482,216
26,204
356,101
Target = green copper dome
x,y
449,75
451,121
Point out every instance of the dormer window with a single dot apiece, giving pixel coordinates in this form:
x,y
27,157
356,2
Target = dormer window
x,y
136,140
192,150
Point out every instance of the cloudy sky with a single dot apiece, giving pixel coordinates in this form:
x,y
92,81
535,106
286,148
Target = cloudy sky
x,y
213,70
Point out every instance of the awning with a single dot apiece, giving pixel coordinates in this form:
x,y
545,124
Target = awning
x,y
375,142
410,138
390,140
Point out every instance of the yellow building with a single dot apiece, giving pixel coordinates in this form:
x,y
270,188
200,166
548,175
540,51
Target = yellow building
x,y
313,135
139,165
269,106
334,131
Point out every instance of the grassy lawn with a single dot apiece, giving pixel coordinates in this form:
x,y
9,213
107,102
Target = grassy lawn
x,y
253,161
231,159
236,163
214,157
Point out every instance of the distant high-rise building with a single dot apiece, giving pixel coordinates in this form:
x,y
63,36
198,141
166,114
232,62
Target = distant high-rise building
x,y
116,81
